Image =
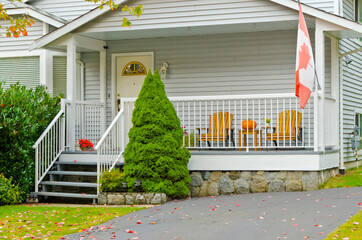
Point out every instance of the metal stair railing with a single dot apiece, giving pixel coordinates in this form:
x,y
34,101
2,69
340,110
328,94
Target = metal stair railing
x,y
48,147
110,147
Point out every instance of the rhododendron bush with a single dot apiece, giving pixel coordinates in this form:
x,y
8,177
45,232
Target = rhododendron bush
x,y
24,115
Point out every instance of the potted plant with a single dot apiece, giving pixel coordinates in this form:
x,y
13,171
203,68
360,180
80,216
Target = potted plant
x,y
267,122
85,144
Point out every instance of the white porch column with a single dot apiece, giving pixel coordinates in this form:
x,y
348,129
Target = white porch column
x,y
71,92
46,64
102,88
319,64
46,70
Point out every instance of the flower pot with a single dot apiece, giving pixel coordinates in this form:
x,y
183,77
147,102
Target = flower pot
x,y
248,124
84,149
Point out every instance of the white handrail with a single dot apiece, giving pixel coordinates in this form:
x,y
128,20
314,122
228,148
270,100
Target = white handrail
x,y
48,147
225,97
60,113
120,113
85,119
197,113
110,147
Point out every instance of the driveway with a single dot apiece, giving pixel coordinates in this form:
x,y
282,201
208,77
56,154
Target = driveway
x,y
286,215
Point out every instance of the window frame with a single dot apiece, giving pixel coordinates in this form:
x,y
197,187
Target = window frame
x,y
134,72
357,121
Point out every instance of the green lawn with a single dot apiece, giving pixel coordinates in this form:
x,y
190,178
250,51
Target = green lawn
x,y
351,230
352,178
42,221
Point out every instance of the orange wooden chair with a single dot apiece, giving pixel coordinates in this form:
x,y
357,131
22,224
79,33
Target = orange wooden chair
x,y
288,127
219,129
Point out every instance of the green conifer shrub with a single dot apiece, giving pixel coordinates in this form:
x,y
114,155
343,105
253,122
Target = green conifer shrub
x,y
154,153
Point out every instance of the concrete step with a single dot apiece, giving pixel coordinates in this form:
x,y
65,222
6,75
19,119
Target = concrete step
x,y
79,158
71,195
69,184
75,162
72,173
82,158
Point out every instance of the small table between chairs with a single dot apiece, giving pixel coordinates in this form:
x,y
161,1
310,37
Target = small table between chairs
x,y
251,132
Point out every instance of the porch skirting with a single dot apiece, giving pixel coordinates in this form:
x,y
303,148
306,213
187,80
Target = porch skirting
x,y
213,183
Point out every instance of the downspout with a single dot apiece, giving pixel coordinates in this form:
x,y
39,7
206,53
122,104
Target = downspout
x,y
342,169
82,67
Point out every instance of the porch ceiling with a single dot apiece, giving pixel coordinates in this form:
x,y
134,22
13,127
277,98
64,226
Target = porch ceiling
x,y
197,30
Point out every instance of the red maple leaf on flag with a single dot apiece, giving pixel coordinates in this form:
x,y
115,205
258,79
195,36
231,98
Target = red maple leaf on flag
x,y
304,57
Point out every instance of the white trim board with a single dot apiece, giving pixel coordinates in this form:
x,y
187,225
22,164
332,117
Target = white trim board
x,y
114,74
291,4
260,162
72,26
20,53
38,15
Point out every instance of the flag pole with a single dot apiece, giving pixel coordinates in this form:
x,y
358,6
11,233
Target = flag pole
x,y
316,76
315,71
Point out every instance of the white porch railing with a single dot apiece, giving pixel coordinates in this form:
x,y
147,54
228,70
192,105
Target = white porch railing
x,y
195,112
48,147
85,119
111,146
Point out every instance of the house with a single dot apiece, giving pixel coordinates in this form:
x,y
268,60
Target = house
x,y
235,57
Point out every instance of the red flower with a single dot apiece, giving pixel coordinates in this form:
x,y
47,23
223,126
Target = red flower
x,y
84,145
2,105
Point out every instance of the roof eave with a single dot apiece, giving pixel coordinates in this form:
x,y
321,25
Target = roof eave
x,y
38,15
317,13
78,22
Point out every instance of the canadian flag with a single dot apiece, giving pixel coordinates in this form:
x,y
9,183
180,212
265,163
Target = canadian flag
x,y
304,69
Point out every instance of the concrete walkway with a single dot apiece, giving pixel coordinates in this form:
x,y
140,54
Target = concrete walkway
x,y
287,215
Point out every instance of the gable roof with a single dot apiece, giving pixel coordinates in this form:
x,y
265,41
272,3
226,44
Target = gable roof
x,y
290,4
7,4
16,8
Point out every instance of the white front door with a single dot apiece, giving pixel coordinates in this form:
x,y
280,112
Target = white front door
x,y
131,72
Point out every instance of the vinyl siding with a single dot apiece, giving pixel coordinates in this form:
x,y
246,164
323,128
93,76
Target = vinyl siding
x,y
21,43
91,81
59,75
227,64
24,70
325,5
352,83
66,9
348,9
177,13
352,92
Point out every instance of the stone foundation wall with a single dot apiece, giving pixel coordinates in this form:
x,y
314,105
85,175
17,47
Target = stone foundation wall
x,y
113,198
208,183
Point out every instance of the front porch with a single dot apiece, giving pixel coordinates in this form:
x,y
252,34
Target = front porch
x,y
217,78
